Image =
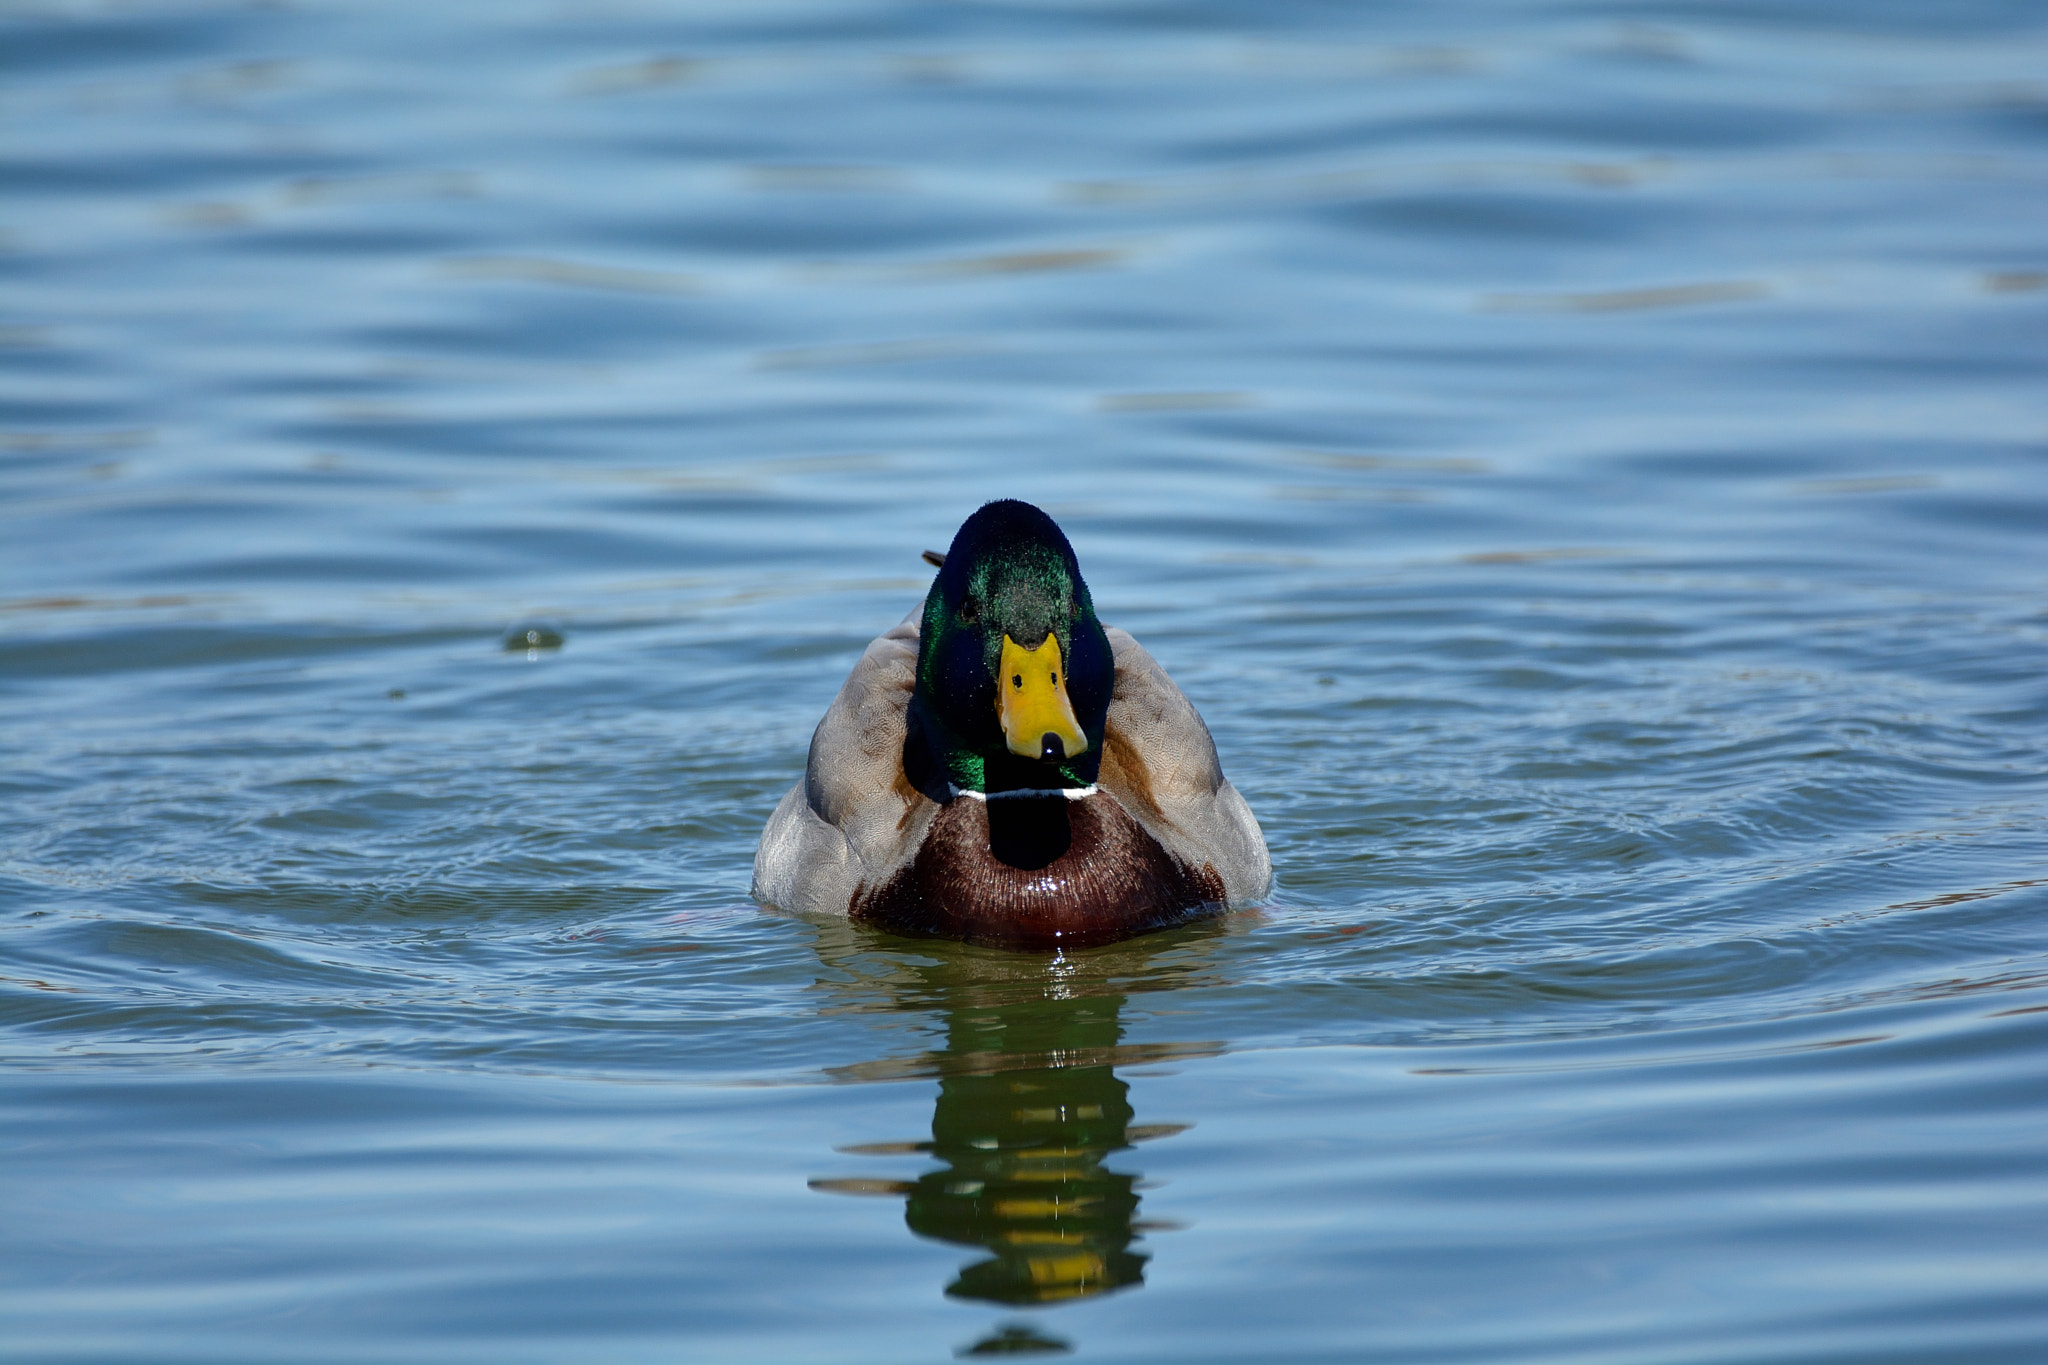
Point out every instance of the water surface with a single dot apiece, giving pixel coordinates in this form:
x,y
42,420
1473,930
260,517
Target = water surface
x,y
1587,461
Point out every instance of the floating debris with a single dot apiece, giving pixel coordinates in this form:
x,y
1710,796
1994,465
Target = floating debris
x,y
532,639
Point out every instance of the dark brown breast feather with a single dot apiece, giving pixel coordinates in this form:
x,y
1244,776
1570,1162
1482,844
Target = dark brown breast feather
x,y
1044,872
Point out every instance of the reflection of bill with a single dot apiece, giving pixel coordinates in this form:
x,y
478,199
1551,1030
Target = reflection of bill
x,y
1029,1111
1025,1177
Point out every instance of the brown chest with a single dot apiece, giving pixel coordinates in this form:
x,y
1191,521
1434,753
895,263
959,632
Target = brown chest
x,y
1038,872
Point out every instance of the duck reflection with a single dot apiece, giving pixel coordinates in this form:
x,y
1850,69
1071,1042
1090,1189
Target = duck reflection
x,y
1029,1113
1024,1153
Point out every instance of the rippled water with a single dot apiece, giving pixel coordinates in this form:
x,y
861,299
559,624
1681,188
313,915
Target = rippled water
x,y
1589,463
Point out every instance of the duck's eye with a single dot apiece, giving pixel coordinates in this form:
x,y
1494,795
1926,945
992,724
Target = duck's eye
x,y
1017,681
969,612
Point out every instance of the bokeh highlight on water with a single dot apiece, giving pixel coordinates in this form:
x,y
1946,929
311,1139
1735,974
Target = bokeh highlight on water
x,y
1589,463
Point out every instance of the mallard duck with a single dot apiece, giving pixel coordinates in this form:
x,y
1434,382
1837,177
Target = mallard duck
x,y
1004,769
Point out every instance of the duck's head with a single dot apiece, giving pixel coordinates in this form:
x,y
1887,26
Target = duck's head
x,y
1013,670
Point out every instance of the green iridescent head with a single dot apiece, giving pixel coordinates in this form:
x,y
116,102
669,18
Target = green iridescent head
x,y
1013,670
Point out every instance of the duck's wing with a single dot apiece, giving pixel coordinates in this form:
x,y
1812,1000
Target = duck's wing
x,y
1160,763
854,818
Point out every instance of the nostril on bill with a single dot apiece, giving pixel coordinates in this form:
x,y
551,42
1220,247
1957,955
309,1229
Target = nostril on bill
x,y
1050,749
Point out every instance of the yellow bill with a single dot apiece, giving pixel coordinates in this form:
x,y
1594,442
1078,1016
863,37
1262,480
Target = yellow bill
x,y
1031,700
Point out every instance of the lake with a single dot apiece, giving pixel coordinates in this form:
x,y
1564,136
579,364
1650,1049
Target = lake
x,y
1587,461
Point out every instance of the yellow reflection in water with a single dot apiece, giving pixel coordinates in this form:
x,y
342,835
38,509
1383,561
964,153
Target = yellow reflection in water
x,y
1029,1110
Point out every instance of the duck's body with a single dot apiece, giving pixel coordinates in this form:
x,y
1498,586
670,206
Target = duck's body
x,y
924,808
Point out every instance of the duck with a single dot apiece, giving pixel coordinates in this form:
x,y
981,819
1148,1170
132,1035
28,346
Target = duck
x,y
1003,769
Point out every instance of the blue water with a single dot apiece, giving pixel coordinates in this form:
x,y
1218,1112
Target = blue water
x,y
1587,461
